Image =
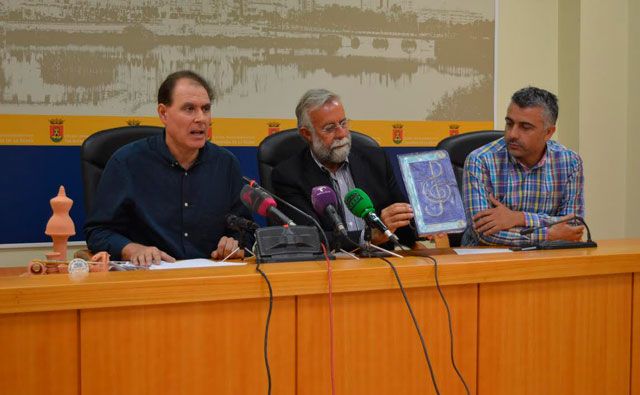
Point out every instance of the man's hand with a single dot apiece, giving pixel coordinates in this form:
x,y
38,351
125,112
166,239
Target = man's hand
x,y
394,216
564,231
225,246
500,217
143,255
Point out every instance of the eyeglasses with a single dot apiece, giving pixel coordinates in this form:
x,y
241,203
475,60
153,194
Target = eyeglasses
x,y
333,127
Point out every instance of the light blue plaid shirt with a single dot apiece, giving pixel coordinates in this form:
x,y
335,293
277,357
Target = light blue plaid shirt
x,y
549,190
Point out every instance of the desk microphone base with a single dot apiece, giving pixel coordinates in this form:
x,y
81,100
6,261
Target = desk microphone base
x,y
288,244
557,245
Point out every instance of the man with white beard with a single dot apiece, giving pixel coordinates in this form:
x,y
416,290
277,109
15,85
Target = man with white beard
x,y
331,160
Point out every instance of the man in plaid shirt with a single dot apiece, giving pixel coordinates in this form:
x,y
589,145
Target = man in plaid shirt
x,y
523,179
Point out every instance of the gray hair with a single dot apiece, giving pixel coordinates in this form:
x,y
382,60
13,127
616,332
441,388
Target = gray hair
x,y
311,100
536,97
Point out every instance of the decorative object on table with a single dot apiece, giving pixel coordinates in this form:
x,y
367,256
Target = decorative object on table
x,y
60,226
98,263
433,192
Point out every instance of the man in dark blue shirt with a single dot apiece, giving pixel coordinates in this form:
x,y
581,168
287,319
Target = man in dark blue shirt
x,y
166,197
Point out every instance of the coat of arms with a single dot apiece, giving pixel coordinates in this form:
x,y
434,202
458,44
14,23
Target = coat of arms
x,y
398,134
56,130
274,127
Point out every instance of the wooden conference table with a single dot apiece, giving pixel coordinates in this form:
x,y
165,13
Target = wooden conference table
x,y
536,322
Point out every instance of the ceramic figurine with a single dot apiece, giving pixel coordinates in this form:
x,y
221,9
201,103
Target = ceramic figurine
x,y
60,226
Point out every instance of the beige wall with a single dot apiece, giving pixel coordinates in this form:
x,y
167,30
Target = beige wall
x,y
603,113
569,72
527,41
632,228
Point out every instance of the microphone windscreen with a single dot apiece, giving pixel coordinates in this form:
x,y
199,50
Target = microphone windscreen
x,y
257,202
358,202
321,197
236,223
230,220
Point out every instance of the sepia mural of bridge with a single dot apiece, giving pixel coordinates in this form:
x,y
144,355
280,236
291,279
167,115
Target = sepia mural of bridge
x,y
399,60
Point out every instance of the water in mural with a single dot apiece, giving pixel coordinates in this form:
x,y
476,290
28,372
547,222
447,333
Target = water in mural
x,y
412,60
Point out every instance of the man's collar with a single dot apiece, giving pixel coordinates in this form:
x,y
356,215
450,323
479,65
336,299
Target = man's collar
x,y
164,151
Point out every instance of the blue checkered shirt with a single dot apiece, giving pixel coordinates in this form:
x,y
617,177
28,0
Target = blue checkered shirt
x,y
550,189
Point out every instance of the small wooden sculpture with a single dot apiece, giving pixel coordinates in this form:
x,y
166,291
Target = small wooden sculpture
x,y
60,226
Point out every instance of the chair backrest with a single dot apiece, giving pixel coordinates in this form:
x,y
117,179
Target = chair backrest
x,y
98,148
283,145
461,145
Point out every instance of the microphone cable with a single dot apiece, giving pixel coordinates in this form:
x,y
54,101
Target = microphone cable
x,y
446,306
415,323
266,329
331,332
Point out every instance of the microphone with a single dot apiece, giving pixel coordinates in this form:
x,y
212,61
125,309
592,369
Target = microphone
x,y
240,224
359,203
558,244
529,230
258,201
324,201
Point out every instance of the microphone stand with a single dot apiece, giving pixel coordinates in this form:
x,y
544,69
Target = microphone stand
x,y
337,240
371,250
242,242
337,244
241,226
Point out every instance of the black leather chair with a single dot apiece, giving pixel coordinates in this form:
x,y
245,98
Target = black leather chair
x,y
458,148
283,145
461,145
98,148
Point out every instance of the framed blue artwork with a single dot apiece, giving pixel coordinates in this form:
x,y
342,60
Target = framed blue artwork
x,y
433,192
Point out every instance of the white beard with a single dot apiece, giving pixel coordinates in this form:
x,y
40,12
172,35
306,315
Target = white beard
x,y
336,154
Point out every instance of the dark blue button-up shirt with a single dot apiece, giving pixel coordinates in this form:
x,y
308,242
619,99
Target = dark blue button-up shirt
x,y
145,196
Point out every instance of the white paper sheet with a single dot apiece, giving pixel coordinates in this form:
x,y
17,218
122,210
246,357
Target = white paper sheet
x,y
471,251
193,263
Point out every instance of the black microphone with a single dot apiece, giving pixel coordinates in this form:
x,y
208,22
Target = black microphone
x,y
324,201
558,244
260,202
528,230
240,224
